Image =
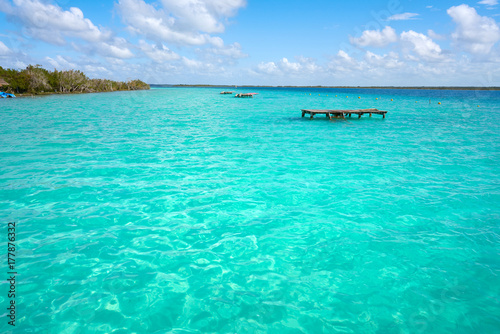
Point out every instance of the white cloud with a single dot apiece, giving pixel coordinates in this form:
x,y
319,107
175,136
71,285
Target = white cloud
x,y
268,68
422,45
489,2
432,34
52,24
387,61
402,17
375,38
232,51
344,56
61,63
289,66
309,65
158,53
4,50
117,48
303,66
182,22
476,34
202,15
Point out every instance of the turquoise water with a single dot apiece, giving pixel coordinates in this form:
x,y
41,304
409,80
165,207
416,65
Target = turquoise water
x,y
179,210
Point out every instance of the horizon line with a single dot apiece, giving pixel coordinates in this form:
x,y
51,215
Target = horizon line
x,y
321,86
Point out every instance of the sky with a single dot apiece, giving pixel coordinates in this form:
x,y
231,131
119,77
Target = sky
x,y
259,42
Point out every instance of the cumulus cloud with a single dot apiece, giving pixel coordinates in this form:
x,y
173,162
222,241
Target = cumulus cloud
x,y
344,55
422,46
375,38
403,17
52,24
61,63
158,53
231,51
117,48
474,33
387,61
4,50
268,68
187,22
432,34
202,15
303,66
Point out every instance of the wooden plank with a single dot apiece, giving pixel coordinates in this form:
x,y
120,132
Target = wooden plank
x,y
343,112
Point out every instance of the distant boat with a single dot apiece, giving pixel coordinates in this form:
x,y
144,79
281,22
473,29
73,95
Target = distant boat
x,y
5,95
226,92
245,94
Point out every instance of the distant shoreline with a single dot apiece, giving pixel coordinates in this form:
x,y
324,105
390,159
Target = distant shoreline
x,y
343,87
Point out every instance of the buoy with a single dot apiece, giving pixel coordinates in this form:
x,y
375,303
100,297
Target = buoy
x,y
478,105
335,95
359,97
319,94
309,93
439,102
391,99
347,96
416,101
376,98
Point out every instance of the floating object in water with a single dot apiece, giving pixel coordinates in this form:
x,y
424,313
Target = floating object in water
x,y
342,113
245,94
5,95
359,97
392,100
439,102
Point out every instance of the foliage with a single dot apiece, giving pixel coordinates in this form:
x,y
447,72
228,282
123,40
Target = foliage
x,y
36,80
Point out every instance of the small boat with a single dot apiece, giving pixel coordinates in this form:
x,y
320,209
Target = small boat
x,y
245,94
226,92
5,95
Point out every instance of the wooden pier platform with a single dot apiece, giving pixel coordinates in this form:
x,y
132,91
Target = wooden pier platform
x,y
342,113
245,94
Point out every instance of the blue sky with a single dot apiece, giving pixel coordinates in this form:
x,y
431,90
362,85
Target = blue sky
x,y
386,42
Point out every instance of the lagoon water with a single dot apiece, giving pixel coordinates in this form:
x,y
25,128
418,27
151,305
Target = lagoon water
x,y
179,210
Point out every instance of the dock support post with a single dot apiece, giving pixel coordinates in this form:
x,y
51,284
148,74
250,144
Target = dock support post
x,y
383,115
312,115
359,115
370,114
303,113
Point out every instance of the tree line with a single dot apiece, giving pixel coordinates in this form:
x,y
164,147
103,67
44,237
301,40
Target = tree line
x,y
37,80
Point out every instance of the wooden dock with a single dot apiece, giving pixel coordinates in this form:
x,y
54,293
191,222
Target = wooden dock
x,y
342,113
245,94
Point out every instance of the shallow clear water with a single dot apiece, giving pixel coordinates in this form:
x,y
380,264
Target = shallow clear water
x,y
181,210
